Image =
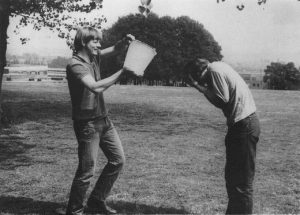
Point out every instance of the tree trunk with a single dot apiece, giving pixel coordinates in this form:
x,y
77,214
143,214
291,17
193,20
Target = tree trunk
x,y
4,21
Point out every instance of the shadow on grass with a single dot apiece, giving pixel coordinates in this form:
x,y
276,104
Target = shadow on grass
x,y
41,110
136,115
13,152
14,148
136,208
22,205
22,111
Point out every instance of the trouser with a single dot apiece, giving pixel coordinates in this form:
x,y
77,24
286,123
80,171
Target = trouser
x,y
240,141
90,135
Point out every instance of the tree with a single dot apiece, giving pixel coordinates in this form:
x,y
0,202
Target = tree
x,y
12,59
176,41
55,15
280,76
4,21
59,62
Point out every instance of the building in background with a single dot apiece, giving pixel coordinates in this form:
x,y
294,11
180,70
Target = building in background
x,y
254,80
33,73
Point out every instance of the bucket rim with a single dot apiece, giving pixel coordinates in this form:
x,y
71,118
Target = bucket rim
x,y
145,45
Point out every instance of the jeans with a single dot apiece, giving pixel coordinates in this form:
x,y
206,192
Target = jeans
x,y
90,136
240,141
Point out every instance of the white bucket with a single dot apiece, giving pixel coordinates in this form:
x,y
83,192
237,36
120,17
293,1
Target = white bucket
x,y
138,57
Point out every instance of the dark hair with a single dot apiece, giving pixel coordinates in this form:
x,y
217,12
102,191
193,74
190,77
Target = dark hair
x,y
85,35
195,66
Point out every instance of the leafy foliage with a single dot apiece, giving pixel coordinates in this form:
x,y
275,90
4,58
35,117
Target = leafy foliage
x,y
55,15
282,76
176,41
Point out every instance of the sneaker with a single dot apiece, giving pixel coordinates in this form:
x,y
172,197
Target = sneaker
x,y
60,211
99,207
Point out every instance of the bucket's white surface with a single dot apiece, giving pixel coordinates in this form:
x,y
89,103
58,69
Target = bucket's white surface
x,y
138,57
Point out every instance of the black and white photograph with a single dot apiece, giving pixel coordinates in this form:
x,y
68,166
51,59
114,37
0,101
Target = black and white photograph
x,y
149,107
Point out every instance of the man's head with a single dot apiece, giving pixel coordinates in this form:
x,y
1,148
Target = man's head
x,y
87,38
196,67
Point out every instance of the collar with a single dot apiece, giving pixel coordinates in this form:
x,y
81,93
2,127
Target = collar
x,y
204,72
82,58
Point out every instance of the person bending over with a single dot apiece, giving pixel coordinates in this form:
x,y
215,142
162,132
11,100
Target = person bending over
x,y
226,90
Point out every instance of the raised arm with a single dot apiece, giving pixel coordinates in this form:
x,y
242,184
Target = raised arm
x,y
120,46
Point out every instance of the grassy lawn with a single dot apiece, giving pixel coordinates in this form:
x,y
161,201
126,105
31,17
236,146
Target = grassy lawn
x,y
174,144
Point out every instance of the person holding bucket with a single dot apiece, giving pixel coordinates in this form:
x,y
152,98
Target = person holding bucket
x,y
225,89
92,126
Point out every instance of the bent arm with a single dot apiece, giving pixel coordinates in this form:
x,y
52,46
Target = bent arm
x,y
102,85
214,99
218,93
220,86
210,95
195,84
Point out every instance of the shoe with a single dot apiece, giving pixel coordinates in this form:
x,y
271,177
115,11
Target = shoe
x,y
99,207
60,211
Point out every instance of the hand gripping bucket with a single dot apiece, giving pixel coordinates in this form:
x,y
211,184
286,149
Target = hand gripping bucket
x,y
138,57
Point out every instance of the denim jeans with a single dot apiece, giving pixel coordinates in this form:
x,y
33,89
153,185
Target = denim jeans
x,y
92,135
240,142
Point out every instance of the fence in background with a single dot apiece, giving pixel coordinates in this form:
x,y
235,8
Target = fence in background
x,y
43,73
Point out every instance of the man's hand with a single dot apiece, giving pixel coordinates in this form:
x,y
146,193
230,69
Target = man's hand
x,y
193,83
129,38
119,48
127,72
123,44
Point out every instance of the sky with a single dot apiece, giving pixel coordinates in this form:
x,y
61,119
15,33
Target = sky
x,y
254,36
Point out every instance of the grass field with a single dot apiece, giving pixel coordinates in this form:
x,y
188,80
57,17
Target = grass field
x,y
174,144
